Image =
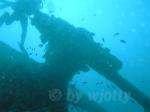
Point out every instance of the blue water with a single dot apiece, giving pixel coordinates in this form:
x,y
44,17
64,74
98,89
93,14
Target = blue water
x,y
121,25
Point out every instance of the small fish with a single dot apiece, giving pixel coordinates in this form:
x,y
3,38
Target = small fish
x,y
107,86
123,41
40,45
116,34
83,19
84,82
51,11
94,14
60,9
103,39
30,54
101,82
33,49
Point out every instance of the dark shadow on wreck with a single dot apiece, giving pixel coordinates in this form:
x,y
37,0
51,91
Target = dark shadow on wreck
x,y
25,84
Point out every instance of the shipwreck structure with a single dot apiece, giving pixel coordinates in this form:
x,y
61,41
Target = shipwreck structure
x,y
24,83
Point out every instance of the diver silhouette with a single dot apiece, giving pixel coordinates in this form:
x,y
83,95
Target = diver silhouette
x,y
22,9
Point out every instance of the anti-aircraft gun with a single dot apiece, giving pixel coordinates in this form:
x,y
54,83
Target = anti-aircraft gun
x,y
76,47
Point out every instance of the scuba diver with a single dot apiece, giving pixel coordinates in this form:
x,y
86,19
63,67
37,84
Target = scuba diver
x,y
22,9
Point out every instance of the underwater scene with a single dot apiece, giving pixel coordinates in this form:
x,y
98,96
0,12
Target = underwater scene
x,y
74,56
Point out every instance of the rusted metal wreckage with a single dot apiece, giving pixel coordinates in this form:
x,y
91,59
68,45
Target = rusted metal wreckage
x,y
24,83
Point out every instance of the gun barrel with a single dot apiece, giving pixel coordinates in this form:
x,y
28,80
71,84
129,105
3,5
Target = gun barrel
x,y
106,64
126,86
